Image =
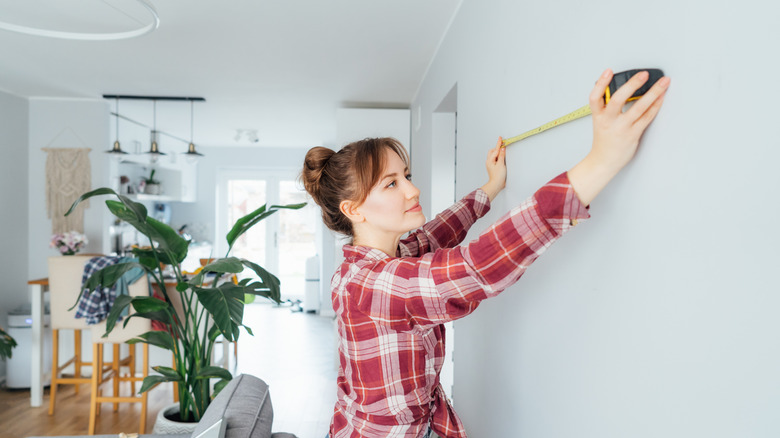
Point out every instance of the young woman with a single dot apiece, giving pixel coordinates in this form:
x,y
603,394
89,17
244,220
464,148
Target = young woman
x,y
391,296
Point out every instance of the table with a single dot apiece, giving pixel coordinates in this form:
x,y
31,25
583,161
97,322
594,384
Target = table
x,y
37,289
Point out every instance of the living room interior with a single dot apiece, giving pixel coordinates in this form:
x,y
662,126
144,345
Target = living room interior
x,y
655,318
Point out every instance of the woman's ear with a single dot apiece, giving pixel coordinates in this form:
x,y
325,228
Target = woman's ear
x,y
350,210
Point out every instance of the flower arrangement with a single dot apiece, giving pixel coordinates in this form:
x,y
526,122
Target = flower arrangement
x,y
68,243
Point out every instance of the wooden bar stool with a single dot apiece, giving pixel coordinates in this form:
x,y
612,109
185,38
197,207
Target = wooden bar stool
x,y
65,273
111,373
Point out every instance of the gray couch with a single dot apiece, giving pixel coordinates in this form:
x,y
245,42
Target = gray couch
x,y
244,404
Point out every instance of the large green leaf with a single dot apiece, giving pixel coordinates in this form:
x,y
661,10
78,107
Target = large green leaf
x,y
106,277
245,223
158,338
159,315
135,214
166,237
169,373
7,343
152,381
270,287
225,306
150,304
138,209
227,265
219,385
214,372
120,304
149,257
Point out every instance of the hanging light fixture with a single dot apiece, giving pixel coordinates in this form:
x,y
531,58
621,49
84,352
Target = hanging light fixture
x,y
117,152
154,151
191,154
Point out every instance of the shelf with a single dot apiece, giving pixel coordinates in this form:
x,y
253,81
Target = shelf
x,y
145,197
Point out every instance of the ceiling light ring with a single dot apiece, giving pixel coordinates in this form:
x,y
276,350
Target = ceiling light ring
x,y
109,36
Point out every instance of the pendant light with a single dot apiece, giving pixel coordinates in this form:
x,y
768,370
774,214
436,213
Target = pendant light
x,y
191,154
117,152
154,152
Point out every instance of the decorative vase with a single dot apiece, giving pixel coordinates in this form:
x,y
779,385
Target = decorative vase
x,y
163,425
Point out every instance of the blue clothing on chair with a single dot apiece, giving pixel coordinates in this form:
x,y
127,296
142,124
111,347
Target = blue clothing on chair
x,y
94,306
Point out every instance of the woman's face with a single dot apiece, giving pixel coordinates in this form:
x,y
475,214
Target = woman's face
x,y
392,207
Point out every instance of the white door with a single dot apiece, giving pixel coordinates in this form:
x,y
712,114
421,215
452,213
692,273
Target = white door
x,y
282,242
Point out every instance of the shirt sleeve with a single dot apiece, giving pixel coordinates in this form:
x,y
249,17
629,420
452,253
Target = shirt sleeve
x,y
414,293
448,228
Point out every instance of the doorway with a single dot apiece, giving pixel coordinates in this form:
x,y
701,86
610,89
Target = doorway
x,y
282,242
444,171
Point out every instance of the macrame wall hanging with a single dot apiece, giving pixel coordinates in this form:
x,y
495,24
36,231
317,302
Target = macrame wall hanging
x,y
68,176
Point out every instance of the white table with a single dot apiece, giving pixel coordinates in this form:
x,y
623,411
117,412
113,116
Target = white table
x,y
37,374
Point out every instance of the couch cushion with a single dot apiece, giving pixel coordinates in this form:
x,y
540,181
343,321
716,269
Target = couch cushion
x,y
245,405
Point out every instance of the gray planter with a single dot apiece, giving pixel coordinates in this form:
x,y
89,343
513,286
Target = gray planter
x,y
164,426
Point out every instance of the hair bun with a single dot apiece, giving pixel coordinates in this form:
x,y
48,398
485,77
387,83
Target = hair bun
x,y
313,166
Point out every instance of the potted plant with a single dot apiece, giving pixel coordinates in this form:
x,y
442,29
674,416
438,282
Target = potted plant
x,y
210,307
151,185
7,343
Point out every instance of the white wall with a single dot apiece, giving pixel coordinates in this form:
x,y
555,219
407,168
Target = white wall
x,y
13,201
659,316
64,123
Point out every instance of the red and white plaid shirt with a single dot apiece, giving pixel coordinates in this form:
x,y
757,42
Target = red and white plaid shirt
x,y
390,310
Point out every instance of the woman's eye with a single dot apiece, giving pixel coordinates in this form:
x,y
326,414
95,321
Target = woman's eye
x,y
409,177
391,185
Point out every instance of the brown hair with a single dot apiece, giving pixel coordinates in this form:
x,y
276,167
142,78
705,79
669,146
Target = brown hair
x,y
347,175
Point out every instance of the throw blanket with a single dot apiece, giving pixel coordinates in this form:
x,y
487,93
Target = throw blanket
x,y
94,307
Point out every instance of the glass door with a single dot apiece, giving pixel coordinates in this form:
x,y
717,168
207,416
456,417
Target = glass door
x,y
282,242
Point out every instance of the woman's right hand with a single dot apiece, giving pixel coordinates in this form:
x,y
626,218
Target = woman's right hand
x,y
616,133
496,169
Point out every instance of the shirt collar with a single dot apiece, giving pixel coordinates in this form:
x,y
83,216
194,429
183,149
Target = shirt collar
x,y
354,253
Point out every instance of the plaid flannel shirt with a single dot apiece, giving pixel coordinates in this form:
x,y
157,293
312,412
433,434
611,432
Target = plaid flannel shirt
x,y
390,310
94,306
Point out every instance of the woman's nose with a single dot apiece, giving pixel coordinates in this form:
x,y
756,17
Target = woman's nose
x,y
412,191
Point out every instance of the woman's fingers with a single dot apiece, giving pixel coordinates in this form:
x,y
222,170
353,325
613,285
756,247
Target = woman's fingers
x,y
646,117
621,96
596,97
648,101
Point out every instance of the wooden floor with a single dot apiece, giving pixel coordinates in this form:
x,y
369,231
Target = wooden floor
x,y
71,416
292,352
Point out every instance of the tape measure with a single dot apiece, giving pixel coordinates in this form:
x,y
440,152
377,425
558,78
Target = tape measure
x,y
618,79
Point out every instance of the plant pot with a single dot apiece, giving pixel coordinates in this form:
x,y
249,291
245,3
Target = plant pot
x,y
163,425
153,189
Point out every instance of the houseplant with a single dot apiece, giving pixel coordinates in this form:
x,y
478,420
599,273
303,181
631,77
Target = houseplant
x,y
210,307
7,343
151,185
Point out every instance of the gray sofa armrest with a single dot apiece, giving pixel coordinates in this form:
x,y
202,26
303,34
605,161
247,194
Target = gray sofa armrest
x,y
245,405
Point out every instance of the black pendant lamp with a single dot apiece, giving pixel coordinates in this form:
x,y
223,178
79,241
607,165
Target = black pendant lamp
x,y
191,154
154,151
116,151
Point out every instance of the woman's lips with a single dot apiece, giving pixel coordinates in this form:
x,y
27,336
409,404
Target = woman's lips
x,y
414,209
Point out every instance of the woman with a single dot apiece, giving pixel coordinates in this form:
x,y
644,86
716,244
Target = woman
x,y
391,296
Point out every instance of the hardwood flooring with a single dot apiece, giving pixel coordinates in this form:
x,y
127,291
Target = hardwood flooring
x,y
71,415
293,352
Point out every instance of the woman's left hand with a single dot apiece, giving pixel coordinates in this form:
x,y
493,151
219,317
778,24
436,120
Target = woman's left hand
x,y
496,169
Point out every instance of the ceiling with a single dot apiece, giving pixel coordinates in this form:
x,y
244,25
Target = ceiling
x,y
280,67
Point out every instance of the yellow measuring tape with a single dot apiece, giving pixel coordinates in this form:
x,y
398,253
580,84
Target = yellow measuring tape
x,y
574,115
618,79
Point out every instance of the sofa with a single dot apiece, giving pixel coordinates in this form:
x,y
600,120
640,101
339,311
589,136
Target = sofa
x,y
244,404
